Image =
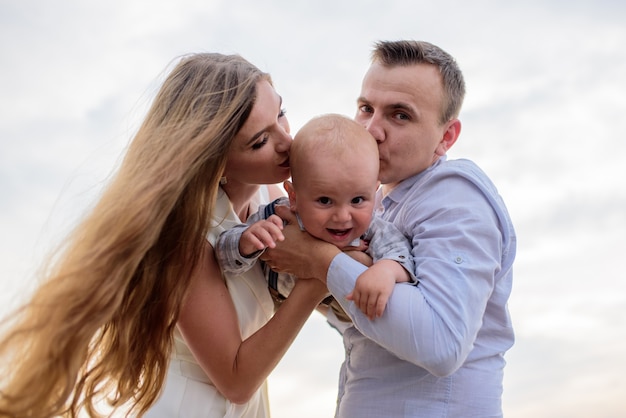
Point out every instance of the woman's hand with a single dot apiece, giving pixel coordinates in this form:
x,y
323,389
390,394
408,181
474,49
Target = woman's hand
x,y
314,288
360,256
299,254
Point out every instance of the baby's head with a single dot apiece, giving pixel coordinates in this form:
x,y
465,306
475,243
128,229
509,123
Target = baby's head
x,y
334,170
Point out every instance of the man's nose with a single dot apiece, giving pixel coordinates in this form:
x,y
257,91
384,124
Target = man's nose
x,y
375,127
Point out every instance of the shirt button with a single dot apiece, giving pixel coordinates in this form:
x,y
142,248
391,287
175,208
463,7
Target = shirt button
x,y
458,259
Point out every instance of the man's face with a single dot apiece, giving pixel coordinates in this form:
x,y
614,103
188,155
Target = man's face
x,y
400,106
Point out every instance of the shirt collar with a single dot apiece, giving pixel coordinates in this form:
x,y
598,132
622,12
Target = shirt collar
x,y
400,190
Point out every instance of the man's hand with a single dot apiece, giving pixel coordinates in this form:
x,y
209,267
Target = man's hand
x,y
299,254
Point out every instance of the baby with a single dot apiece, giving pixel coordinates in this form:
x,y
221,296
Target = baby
x,y
334,170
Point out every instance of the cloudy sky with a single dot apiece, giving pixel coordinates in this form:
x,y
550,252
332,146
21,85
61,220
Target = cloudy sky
x,y
546,99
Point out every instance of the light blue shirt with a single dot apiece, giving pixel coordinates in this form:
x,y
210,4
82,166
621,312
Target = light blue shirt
x,y
438,350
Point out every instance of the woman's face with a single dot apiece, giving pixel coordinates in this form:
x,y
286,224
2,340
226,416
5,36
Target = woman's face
x,y
260,151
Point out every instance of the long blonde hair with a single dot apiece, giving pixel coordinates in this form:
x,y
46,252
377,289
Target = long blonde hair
x,y
102,322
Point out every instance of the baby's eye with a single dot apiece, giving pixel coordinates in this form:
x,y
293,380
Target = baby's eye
x,y
358,200
324,200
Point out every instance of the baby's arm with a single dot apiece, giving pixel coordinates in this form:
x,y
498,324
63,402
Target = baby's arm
x,y
260,235
236,260
392,263
374,286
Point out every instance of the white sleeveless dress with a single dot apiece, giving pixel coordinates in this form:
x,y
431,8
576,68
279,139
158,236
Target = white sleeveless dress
x,y
188,392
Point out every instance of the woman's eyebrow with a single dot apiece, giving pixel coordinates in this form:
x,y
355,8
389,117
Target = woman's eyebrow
x,y
258,134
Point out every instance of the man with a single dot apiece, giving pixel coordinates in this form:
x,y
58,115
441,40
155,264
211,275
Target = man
x,y
438,349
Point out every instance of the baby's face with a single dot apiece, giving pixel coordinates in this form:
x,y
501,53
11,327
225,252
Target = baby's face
x,y
335,202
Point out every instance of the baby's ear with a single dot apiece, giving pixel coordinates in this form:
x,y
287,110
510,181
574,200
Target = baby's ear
x,y
291,192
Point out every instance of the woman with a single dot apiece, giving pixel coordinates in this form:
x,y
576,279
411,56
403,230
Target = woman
x,y
104,322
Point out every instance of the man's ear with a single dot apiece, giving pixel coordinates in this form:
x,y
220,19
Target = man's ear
x,y
291,192
450,135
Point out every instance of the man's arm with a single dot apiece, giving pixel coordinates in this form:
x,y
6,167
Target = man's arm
x,y
410,328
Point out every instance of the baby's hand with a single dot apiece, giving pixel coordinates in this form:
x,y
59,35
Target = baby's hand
x,y
260,235
371,291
